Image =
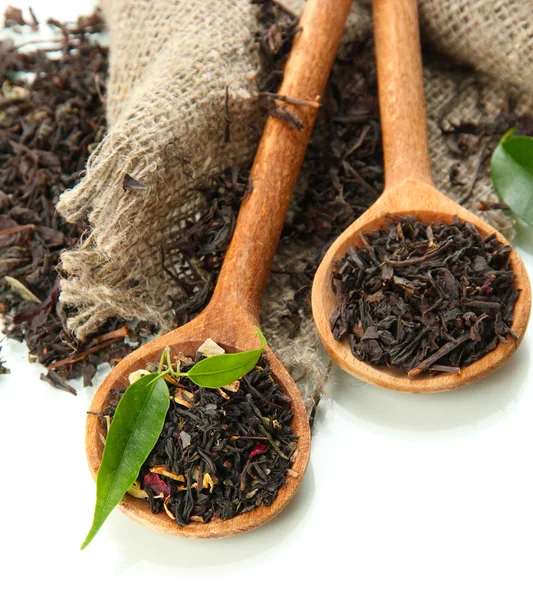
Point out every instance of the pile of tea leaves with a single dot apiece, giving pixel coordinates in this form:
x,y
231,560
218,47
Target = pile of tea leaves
x,y
222,452
424,299
51,118
342,176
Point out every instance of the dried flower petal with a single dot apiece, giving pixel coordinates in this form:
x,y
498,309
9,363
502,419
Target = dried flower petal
x,y
155,483
210,348
180,398
208,482
185,439
136,491
223,394
258,448
136,375
162,470
232,387
167,510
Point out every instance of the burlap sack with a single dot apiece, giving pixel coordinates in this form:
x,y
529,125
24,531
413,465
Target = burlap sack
x,y
170,65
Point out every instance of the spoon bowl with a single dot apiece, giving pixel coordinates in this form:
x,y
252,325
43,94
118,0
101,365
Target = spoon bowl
x,y
409,190
187,340
428,205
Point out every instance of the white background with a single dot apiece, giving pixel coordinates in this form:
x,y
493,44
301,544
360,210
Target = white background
x,y
405,497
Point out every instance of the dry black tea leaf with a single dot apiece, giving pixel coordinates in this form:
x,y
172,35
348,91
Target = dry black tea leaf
x,y
129,183
13,16
48,128
424,298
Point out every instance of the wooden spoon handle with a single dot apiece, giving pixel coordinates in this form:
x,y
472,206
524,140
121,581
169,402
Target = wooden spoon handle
x,y
245,271
401,91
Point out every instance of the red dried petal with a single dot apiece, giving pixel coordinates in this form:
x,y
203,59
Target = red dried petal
x,y
154,482
486,289
259,448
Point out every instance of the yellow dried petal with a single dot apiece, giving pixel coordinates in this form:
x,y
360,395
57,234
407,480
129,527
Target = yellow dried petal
x,y
223,394
208,482
292,473
167,510
276,425
135,490
162,470
136,375
180,399
233,387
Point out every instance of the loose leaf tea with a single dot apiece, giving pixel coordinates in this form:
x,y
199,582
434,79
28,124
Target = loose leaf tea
x,y
221,452
49,125
511,170
137,424
140,414
424,299
225,454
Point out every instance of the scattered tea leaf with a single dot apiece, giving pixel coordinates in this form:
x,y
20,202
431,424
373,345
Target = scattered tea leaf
x,y
511,170
21,290
137,424
129,183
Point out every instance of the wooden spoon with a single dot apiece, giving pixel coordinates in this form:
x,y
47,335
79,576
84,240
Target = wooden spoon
x,y
409,190
234,309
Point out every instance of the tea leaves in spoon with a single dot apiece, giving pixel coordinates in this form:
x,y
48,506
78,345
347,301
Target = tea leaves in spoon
x,y
136,426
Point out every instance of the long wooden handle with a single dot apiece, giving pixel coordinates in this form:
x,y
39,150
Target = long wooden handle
x,y
401,91
279,158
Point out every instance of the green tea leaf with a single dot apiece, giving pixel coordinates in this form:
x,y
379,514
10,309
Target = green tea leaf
x,y
223,369
261,337
511,170
136,426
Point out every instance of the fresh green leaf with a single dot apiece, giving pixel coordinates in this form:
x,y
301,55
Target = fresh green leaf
x,y
134,431
223,369
511,170
261,337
